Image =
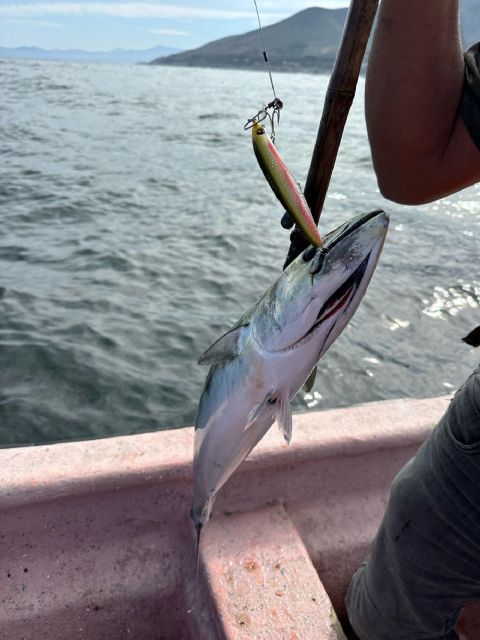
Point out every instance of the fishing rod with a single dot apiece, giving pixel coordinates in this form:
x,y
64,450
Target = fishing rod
x,y
338,100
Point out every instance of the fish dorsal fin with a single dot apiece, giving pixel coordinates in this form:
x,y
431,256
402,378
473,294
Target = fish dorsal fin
x,y
223,349
310,381
283,415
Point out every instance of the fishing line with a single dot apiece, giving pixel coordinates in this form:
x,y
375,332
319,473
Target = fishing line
x,y
276,104
265,55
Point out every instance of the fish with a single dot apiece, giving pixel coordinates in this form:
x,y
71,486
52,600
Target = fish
x,y
283,184
259,365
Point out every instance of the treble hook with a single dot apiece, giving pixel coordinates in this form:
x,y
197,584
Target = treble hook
x,y
258,117
274,106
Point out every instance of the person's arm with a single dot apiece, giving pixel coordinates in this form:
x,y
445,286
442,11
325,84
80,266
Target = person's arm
x,y
420,147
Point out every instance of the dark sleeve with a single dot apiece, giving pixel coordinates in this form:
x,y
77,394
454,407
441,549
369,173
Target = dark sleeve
x,y
470,102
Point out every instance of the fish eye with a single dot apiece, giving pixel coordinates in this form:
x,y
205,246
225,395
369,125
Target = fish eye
x,y
260,131
318,262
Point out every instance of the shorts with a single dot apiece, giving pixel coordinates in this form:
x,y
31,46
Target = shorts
x,y
424,563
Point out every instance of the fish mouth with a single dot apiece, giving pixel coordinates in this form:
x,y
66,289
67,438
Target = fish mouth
x,y
348,228
341,296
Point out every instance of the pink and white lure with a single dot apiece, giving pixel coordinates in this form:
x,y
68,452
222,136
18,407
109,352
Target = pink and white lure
x,y
284,186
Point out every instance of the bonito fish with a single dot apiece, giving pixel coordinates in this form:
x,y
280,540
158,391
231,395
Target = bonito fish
x,y
261,363
283,184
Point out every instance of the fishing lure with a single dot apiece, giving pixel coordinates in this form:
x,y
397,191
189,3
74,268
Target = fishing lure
x,y
283,185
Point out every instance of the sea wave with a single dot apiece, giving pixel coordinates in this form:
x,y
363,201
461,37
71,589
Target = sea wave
x,y
137,226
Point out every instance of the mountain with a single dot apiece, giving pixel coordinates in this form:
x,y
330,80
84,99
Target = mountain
x,y
116,56
307,41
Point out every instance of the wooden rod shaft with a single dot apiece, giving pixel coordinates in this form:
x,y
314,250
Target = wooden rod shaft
x,y
338,100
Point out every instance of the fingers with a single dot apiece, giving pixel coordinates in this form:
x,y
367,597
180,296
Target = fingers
x,y
298,244
287,221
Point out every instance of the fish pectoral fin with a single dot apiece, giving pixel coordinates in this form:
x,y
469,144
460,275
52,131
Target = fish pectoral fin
x,y
223,349
256,412
283,415
310,381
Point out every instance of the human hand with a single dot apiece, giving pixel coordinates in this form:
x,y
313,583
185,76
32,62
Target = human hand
x,y
298,241
287,221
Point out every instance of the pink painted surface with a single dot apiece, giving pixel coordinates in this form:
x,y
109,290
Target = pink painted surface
x,y
96,542
258,573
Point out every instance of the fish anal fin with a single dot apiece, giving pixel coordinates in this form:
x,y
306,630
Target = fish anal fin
x,y
223,349
310,381
283,415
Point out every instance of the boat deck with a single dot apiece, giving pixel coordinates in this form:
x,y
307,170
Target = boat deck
x,y
96,542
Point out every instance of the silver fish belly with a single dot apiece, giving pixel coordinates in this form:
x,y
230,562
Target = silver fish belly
x,y
258,366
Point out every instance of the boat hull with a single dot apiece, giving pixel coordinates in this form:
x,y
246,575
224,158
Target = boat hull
x,y
96,541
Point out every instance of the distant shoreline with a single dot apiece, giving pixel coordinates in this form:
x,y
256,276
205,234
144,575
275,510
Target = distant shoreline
x,y
324,69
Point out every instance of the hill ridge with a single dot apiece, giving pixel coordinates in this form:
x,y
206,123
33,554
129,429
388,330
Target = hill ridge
x,y
308,40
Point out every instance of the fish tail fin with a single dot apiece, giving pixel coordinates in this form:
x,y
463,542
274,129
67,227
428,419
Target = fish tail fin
x,y
200,516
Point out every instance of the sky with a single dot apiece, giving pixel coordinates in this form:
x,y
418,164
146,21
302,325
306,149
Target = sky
x,y
101,25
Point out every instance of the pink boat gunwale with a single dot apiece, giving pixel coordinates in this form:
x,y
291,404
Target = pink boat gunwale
x,y
96,540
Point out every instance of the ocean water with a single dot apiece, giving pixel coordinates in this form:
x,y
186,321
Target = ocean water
x,y
136,226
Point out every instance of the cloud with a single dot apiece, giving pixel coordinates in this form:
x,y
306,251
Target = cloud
x,y
117,9
168,32
43,24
